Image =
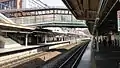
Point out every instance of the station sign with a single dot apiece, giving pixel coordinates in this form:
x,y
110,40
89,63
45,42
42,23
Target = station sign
x,y
118,19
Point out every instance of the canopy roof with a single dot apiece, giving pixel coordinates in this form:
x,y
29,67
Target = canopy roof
x,y
83,9
105,19
7,24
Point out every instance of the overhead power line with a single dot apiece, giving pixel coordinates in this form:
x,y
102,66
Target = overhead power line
x,y
38,4
43,3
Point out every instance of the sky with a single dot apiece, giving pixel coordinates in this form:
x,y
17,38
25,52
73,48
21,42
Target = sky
x,y
53,2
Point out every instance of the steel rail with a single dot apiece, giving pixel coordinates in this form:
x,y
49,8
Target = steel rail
x,y
78,58
81,50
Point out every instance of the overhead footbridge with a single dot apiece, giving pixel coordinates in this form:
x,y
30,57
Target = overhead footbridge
x,y
47,17
78,24
36,11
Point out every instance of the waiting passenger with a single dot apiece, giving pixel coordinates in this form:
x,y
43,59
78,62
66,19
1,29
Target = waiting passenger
x,y
118,43
100,41
115,42
109,43
105,42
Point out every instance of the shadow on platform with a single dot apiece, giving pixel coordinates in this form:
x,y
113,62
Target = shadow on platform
x,y
107,57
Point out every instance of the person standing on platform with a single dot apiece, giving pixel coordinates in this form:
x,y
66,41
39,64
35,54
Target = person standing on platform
x,y
115,42
109,43
105,42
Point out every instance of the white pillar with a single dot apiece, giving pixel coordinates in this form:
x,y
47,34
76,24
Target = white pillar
x,y
45,38
26,40
97,42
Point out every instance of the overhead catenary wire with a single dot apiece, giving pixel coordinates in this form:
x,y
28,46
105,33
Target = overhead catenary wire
x,y
43,3
38,3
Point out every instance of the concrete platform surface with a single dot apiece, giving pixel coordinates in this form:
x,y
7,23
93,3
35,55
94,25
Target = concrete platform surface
x,y
85,61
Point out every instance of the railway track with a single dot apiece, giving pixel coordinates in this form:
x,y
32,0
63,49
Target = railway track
x,y
14,63
74,59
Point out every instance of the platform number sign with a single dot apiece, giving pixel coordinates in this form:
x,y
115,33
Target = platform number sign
x,y
118,19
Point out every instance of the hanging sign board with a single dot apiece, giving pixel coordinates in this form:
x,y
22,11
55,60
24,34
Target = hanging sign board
x,y
118,19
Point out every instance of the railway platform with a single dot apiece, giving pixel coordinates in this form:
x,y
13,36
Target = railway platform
x,y
107,57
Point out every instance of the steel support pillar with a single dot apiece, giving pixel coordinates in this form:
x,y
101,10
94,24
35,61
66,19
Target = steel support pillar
x,y
26,40
97,44
45,38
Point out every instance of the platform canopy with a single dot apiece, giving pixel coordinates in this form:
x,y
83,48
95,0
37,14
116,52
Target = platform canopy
x,y
108,17
84,10
106,20
7,24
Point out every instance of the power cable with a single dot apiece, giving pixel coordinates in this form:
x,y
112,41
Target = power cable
x,y
43,3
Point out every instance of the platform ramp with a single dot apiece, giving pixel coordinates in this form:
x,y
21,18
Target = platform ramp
x,y
8,43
